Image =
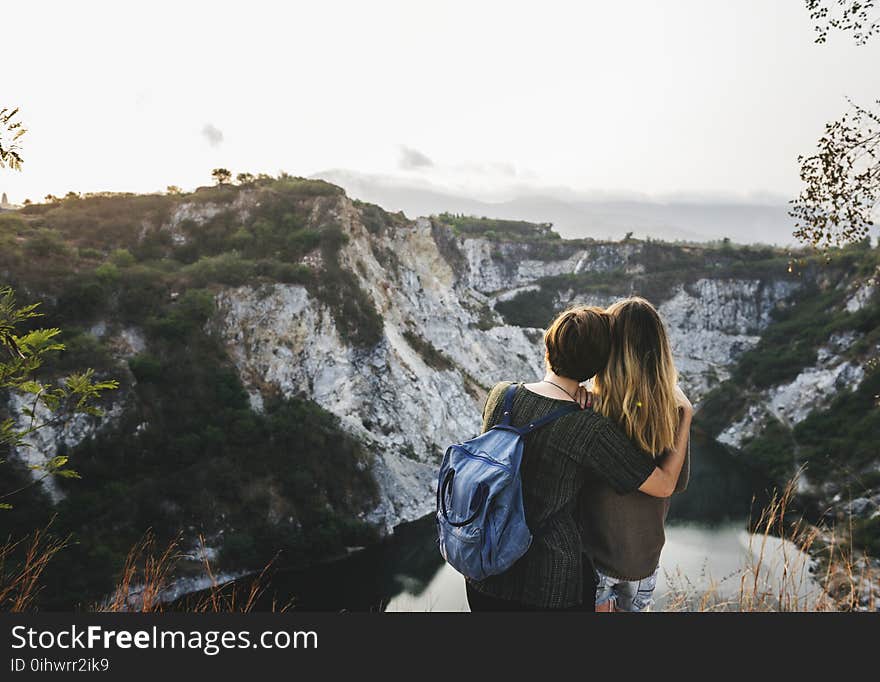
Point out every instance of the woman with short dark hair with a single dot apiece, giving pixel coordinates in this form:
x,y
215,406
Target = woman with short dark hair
x,y
557,462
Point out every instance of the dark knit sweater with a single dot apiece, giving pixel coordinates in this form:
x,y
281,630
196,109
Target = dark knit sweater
x,y
558,460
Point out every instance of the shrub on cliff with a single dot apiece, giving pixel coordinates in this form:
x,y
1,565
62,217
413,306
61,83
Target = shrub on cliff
x,y
227,268
496,229
44,243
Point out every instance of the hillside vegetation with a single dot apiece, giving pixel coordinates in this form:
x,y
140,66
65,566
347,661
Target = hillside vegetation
x,y
188,451
132,280
836,446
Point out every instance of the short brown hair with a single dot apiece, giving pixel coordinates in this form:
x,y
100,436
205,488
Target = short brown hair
x,y
578,342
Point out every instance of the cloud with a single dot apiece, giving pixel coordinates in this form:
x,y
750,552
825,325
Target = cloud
x,y
212,134
411,159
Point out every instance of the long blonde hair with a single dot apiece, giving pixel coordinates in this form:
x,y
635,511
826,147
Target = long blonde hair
x,y
636,388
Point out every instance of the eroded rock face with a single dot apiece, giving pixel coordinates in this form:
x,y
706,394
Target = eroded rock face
x,y
712,322
791,403
861,295
499,266
200,212
405,411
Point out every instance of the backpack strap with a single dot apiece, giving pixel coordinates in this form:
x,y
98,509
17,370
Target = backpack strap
x,y
508,404
543,421
506,415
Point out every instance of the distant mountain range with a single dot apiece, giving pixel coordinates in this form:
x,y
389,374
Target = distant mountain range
x,y
574,217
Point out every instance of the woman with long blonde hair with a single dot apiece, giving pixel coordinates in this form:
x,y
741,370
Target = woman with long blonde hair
x,y
637,389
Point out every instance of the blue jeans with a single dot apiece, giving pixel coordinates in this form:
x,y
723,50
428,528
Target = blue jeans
x,y
627,595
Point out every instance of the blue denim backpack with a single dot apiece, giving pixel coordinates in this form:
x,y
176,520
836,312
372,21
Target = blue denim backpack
x,y
480,518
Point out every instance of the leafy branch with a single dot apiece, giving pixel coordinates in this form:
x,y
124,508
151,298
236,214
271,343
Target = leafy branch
x,y
855,16
48,405
841,191
11,131
841,181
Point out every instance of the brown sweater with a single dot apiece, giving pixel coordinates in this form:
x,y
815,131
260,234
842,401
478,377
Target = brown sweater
x,y
624,534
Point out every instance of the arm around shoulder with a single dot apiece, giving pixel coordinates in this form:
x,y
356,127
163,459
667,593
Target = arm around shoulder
x,y
664,479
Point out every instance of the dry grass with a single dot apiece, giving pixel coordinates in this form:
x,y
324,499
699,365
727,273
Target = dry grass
x,y
146,578
792,566
20,578
144,584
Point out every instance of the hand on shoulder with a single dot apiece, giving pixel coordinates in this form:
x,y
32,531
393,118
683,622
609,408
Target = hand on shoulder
x,y
584,397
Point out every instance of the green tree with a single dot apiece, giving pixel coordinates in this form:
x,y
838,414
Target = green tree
x,y
245,178
221,175
23,354
11,131
173,190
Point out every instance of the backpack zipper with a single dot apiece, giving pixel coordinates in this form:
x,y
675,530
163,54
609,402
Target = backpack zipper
x,y
484,458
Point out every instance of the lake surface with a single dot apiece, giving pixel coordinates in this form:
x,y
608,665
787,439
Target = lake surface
x,y
706,551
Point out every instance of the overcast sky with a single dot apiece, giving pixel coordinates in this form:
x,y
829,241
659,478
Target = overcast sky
x,y
702,97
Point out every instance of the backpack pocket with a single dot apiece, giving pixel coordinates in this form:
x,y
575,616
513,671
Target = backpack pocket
x,y
462,547
509,537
